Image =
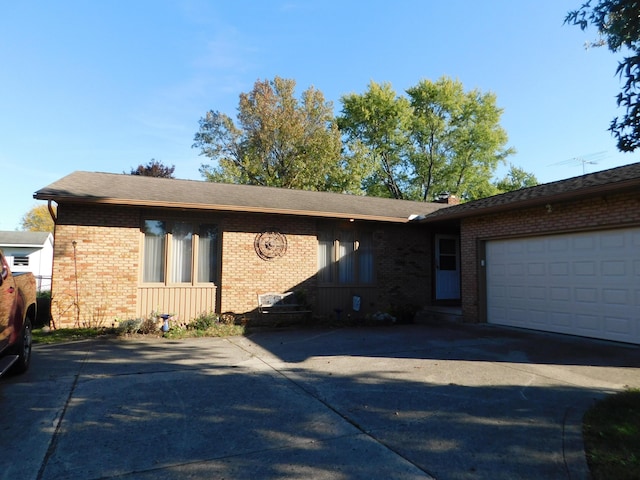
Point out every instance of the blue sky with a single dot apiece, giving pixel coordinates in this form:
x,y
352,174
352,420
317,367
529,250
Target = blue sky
x,y
108,85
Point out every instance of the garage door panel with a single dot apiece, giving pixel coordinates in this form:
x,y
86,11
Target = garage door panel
x,y
517,292
615,268
516,270
588,325
498,270
611,297
526,315
536,269
613,240
560,294
586,295
584,268
534,247
559,269
537,293
618,328
561,320
557,245
538,317
582,283
515,248
583,243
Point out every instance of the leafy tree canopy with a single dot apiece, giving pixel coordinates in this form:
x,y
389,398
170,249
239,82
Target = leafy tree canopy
x,y
375,125
618,25
154,169
38,219
439,139
278,141
516,179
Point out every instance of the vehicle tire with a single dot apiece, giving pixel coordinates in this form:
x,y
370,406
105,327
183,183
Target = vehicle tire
x,y
23,349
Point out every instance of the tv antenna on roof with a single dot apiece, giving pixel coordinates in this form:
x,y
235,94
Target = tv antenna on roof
x,y
589,159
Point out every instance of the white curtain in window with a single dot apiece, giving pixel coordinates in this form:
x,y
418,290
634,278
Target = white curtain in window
x,y
325,258
346,258
207,253
181,252
365,258
154,251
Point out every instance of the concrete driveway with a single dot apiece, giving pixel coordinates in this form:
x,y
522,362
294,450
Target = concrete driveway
x,y
403,402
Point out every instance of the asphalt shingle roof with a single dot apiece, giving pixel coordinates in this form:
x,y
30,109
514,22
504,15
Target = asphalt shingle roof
x,y
134,190
123,189
19,238
616,179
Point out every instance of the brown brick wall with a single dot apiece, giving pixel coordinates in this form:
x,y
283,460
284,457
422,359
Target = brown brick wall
x,y
106,259
403,256
107,262
245,274
598,212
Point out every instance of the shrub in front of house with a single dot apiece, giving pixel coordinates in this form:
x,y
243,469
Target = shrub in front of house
x,y
203,322
130,326
207,325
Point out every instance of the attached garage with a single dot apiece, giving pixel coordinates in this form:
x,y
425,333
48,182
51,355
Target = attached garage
x,y
561,257
585,284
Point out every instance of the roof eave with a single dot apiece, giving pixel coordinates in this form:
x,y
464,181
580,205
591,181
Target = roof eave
x,y
219,208
21,245
621,186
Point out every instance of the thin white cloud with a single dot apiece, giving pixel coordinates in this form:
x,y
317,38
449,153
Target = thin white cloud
x,y
228,50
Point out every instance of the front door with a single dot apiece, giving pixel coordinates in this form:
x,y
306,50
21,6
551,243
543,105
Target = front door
x,y
447,263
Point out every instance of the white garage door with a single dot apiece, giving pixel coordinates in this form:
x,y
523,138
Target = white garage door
x,y
584,284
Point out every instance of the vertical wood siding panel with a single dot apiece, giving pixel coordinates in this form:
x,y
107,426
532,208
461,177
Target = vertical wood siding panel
x,y
186,302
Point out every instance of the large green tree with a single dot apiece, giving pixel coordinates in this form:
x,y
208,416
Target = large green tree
x,y
515,179
375,125
440,139
457,139
618,25
278,141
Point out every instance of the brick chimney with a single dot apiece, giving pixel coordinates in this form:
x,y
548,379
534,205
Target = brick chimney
x,y
448,199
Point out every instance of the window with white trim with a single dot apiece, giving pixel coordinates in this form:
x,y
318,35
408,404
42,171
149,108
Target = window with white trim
x,y
345,257
179,252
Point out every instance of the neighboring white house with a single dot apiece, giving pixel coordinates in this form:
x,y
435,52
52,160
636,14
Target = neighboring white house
x,y
29,252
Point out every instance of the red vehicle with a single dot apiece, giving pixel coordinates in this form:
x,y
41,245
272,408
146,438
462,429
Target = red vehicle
x,y
17,312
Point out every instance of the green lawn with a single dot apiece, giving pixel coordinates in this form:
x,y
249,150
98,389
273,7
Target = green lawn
x,y
61,335
611,431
